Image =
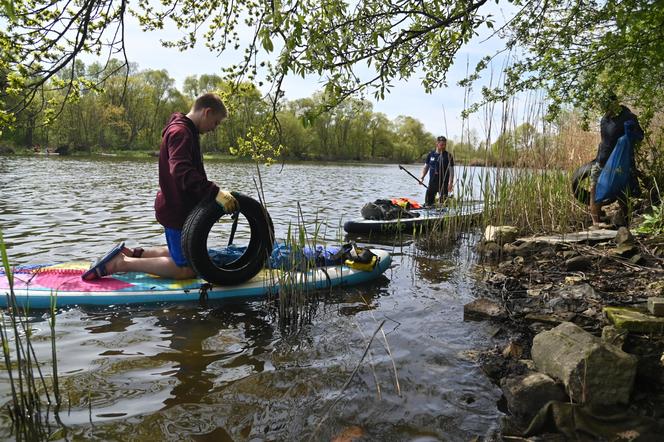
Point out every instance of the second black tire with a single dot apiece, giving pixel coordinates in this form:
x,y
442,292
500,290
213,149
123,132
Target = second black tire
x,y
581,183
195,233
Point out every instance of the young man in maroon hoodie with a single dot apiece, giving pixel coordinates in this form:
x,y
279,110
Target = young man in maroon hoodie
x,y
183,184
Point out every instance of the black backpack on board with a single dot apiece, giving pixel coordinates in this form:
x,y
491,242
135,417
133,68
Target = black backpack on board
x,y
384,210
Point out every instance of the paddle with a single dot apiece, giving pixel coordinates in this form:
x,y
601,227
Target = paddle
x,y
418,180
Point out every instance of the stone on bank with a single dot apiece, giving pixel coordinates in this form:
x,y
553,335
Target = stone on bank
x,y
592,371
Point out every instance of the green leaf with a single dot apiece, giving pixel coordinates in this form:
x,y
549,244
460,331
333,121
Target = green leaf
x,y
8,6
267,44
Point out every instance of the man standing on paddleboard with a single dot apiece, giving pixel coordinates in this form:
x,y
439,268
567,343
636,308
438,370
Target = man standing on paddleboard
x,y
440,165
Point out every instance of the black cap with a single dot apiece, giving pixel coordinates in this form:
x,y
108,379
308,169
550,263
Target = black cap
x,y
441,138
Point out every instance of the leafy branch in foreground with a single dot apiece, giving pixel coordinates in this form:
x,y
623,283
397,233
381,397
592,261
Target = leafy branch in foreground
x,y
44,38
564,46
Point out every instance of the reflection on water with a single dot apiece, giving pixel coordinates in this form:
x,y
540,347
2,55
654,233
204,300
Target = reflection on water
x,y
227,371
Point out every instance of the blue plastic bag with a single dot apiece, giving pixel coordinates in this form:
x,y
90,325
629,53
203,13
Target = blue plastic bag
x,y
616,173
283,256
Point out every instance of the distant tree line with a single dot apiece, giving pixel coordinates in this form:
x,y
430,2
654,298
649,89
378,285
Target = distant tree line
x,y
129,108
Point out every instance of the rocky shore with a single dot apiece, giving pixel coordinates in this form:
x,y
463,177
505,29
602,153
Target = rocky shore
x,y
578,342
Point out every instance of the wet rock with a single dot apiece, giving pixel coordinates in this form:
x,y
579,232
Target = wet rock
x,y
656,306
624,250
483,308
578,263
592,371
557,304
634,320
528,364
501,234
526,394
611,335
624,236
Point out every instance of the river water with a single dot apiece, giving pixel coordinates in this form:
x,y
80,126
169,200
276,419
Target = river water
x,y
228,370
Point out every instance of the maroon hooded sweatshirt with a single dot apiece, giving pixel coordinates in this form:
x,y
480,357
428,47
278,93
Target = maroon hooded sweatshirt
x,y
182,179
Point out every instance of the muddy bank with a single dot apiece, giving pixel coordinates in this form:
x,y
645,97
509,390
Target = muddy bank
x,y
597,285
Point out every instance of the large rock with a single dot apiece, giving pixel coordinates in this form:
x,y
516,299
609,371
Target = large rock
x,y
526,394
634,320
592,371
483,308
500,234
624,236
586,236
656,306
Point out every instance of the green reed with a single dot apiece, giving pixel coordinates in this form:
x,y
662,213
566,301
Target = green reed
x,y
297,278
31,401
535,201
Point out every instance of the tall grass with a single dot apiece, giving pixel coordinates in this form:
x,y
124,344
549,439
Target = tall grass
x,y
30,399
527,181
296,275
534,201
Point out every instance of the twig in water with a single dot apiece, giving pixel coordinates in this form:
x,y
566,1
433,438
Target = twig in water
x,y
371,364
386,345
348,381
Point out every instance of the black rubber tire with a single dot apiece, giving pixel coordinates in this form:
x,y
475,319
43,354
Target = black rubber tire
x,y
197,228
581,191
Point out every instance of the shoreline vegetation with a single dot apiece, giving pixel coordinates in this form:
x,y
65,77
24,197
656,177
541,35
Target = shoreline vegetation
x,y
474,161
213,156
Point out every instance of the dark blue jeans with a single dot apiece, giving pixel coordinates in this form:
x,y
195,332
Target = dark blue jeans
x,y
437,184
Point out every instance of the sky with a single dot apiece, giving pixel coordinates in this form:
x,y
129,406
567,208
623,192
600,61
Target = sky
x,y
439,111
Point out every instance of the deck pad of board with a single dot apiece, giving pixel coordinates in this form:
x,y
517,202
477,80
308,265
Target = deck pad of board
x,y
38,286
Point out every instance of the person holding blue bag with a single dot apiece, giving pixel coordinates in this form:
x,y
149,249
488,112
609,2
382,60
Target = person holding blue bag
x,y
614,164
